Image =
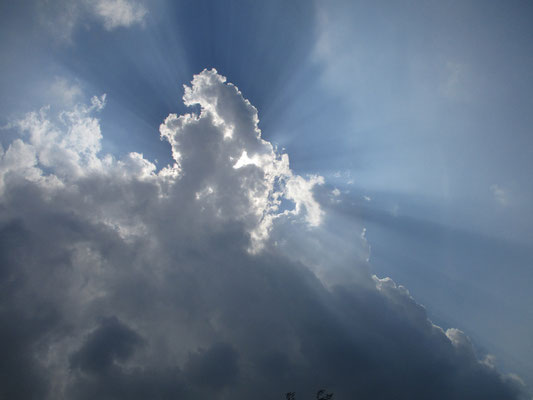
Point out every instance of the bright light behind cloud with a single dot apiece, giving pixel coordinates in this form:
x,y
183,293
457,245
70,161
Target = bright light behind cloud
x,y
159,249
249,190
244,176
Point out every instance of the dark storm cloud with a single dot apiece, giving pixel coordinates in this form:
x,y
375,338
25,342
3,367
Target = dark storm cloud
x,y
21,328
111,341
213,368
122,283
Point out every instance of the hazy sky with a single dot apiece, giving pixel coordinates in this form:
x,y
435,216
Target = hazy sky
x,y
238,199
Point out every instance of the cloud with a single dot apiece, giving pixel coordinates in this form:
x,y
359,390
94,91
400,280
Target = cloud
x,y
229,166
112,341
499,194
68,147
119,13
62,18
64,91
123,282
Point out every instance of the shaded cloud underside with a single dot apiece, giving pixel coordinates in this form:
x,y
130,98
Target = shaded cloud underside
x,y
119,281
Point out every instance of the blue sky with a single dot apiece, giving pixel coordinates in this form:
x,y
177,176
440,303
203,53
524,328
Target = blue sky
x,y
416,114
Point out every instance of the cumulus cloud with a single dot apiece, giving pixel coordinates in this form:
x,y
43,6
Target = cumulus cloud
x,y
123,282
227,164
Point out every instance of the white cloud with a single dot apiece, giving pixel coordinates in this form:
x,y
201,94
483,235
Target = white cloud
x,y
68,147
240,165
119,13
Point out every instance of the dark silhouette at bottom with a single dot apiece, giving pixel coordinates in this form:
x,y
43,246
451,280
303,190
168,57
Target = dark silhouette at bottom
x,y
320,395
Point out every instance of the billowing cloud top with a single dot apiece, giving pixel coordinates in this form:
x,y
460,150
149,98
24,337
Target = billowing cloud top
x,y
228,166
123,282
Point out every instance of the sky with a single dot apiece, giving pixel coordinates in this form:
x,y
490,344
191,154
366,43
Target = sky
x,y
240,199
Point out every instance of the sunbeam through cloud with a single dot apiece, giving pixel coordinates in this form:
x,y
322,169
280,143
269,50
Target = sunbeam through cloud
x,y
265,200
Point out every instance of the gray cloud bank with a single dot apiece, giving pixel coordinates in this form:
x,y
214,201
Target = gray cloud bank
x,y
119,281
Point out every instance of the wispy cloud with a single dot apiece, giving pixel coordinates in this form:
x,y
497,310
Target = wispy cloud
x,y
499,194
62,18
119,13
